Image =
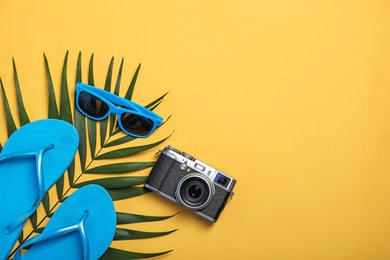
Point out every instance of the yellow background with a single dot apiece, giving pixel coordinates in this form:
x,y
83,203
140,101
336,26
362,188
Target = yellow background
x,y
292,98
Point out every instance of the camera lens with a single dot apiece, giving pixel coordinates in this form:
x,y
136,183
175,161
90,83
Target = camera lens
x,y
194,191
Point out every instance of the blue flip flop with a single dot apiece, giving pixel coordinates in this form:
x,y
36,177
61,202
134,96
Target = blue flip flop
x,y
32,160
81,228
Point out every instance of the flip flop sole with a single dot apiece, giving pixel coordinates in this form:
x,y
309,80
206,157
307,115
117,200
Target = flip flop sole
x,y
18,177
99,225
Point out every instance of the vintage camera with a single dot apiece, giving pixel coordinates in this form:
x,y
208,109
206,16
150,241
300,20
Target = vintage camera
x,y
185,180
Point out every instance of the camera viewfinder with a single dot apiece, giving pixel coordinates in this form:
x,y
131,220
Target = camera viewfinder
x,y
222,180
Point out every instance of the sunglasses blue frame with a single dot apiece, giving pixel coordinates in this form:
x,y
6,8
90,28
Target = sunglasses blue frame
x,y
119,106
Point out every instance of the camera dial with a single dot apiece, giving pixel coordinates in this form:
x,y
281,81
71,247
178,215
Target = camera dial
x,y
188,156
173,149
195,191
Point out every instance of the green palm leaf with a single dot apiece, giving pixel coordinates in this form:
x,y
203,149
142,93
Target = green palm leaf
x,y
118,254
119,78
128,218
53,111
130,90
114,182
23,117
129,234
11,127
119,187
65,110
112,119
127,193
156,102
125,152
119,141
91,124
125,167
107,87
79,122
66,115
11,123
71,171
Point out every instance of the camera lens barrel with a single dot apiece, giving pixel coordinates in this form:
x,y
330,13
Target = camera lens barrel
x,y
194,191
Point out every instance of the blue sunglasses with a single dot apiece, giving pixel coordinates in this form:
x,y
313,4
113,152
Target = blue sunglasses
x,y
98,104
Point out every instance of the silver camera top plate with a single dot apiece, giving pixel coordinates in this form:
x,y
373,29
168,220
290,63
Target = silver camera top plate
x,y
189,162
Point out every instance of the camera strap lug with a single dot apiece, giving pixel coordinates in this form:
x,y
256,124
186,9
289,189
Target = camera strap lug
x,y
231,195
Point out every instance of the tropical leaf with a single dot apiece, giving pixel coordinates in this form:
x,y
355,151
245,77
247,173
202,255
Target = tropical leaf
x,y
38,230
46,203
65,110
129,234
107,87
112,118
79,122
53,111
127,193
11,127
130,90
91,124
23,117
125,152
120,186
20,238
156,102
60,187
125,167
118,254
128,218
119,78
119,141
114,182
71,171
64,114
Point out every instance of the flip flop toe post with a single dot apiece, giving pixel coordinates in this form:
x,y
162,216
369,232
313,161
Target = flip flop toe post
x,y
81,228
31,162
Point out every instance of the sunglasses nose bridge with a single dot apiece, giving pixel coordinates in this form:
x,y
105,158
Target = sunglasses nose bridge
x,y
115,110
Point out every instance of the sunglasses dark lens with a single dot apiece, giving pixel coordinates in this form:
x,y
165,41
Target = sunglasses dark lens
x,y
92,105
136,124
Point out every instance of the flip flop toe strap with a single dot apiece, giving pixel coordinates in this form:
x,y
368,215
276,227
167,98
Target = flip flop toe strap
x,y
19,220
52,234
